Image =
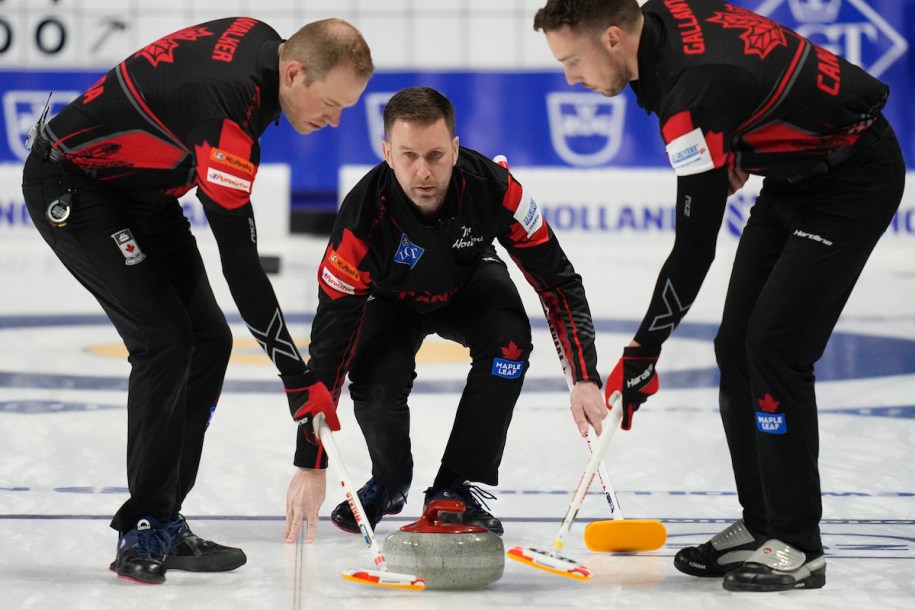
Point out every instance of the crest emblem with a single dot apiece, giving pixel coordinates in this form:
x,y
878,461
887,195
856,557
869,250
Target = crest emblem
x,y
128,246
585,128
163,50
761,36
408,253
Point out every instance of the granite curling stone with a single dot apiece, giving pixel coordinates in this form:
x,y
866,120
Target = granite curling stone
x,y
446,555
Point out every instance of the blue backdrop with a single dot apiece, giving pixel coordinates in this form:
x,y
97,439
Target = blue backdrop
x,y
534,118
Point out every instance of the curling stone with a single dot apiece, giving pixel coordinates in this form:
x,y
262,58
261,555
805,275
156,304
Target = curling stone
x,y
446,555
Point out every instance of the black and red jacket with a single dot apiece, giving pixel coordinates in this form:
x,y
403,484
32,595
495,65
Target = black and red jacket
x,y
382,247
184,111
733,89
187,111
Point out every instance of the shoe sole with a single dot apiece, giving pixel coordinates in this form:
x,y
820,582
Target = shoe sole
x,y
197,564
690,570
816,580
114,570
704,572
457,519
349,529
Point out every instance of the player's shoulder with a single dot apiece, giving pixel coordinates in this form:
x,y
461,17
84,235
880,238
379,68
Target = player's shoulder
x,y
238,26
478,167
364,202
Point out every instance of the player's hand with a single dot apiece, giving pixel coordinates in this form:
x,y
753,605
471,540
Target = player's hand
x,y
303,500
634,377
587,406
736,179
307,397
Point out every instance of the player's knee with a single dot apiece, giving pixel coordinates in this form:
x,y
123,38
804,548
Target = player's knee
x,y
214,344
509,338
379,389
169,342
729,349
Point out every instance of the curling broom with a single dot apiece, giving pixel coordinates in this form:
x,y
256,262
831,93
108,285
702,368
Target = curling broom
x,y
380,577
551,561
619,535
616,535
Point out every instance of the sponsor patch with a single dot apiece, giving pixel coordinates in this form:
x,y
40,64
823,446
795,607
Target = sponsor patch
x,y
467,238
767,420
128,246
528,214
344,266
334,282
228,180
771,423
234,161
508,369
689,154
408,253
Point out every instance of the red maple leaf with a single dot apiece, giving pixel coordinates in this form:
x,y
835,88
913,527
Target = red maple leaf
x,y
762,35
768,404
511,351
129,248
163,49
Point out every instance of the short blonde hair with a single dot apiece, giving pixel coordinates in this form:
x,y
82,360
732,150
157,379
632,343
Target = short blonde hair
x,y
323,45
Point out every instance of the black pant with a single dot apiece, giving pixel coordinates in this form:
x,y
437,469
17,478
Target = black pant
x,y
800,255
156,293
487,317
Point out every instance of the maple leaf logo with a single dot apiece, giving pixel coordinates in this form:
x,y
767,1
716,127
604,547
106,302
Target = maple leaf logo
x,y
163,50
511,351
762,35
768,404
129,248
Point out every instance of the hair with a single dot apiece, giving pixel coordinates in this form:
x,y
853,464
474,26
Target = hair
x,y
323,45
418,105
584,16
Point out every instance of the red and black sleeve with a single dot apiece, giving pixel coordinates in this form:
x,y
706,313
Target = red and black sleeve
x,y
534,247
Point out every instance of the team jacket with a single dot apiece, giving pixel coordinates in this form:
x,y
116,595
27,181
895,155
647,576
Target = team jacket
x,y
381,246
187,111
733,89
184,111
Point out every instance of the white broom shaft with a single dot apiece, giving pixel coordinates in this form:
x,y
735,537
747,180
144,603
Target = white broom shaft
x,y
610,424
333,455
609,492
602,473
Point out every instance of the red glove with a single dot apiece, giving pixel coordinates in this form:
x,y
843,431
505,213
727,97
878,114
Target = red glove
x,y
634,377
307,397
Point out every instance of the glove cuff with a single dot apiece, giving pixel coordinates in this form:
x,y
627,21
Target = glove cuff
x,y
643,351
298,381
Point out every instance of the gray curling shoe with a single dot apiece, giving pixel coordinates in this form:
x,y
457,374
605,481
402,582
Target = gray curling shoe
x,y
777,566
726,550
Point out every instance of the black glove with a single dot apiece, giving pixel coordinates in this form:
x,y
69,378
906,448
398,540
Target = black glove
x,y
307,397
634,377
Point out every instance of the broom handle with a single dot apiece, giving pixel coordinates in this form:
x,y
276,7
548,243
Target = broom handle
x,y
352,498
602,474
611,423
607,485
